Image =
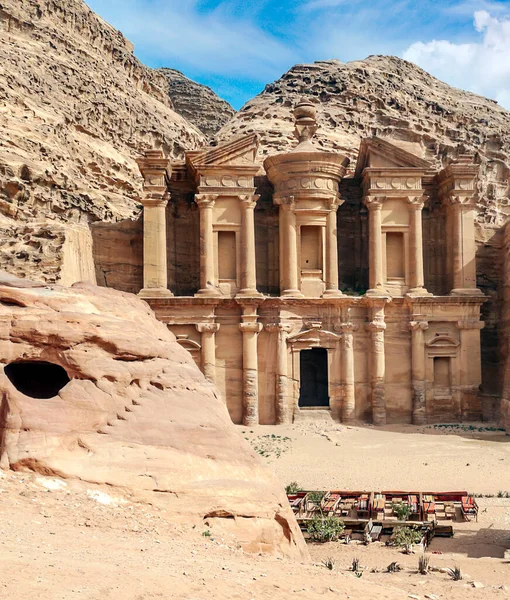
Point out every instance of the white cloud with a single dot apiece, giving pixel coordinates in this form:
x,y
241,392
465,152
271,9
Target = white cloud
x,y
180,33
482,67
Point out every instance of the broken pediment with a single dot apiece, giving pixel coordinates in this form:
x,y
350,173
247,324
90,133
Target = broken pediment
x,y
239,152
380,154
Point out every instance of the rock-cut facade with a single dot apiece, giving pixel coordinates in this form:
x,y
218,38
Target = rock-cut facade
x,y
309,287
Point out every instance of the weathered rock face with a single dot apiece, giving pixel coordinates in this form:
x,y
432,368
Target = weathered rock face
x,y
93,387
394,99
197,103
77,108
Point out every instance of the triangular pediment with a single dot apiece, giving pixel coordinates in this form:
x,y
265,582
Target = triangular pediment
x,y
239,152
377,153
314,337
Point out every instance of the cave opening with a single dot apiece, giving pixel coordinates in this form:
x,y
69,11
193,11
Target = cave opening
x,y
37,379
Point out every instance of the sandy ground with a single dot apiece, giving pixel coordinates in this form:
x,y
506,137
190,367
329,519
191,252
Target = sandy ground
x,y
66,540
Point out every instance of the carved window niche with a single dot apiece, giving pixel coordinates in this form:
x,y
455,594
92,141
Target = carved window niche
x,y
311,252
227,255
191,346
442,372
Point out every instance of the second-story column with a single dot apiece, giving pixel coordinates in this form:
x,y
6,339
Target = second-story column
x,y
418,326
375,249
248,250
377,327
208,284
416,277
250,329
332,252
155,169
208,355
288,249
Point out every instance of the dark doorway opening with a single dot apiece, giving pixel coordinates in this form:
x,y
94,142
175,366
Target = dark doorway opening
x,y
314,378
37,379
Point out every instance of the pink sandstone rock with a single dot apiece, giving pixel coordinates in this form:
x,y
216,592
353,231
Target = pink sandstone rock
x,y
136,412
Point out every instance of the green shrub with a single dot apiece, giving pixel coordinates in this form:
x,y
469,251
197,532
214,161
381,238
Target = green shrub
x,y
406,537
293,487
401,510
325,529
316,498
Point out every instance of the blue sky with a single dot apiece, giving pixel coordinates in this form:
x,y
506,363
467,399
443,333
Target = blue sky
x,y
237,46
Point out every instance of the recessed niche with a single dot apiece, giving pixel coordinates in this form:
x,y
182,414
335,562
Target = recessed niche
x,y
37,379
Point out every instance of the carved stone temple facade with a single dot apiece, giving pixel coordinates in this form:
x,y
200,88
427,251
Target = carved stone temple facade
x,y
301,286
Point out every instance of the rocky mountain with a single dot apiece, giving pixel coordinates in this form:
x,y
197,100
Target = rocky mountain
x,y
394,99
197,103
76,108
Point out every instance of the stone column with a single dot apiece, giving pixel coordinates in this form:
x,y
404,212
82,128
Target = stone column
x,y
283,410
462,218
375,251
248,256
208,355
349,399
376,327
250,329
288,249
208,284
417,326
416,277
155,169
332,252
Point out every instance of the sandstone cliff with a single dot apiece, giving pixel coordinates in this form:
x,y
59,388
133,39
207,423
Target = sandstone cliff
x,y
76,109
93,387
197,103
394,99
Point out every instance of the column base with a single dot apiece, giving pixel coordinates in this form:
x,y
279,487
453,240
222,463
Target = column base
x,y
208,292
292,294
249,293
333,294
466,292
155,293
418,291
377,292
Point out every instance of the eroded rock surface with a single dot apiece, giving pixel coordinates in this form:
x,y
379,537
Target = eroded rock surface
x,y
394,99
76,109
197,103
136,413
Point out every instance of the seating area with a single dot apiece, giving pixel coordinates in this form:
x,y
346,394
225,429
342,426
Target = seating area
x,y
373,513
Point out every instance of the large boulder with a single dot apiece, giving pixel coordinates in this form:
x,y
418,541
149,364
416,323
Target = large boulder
x,y
94,387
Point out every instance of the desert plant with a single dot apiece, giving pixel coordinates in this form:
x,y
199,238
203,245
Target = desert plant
x,y
315,498
206,533
455,573
329,563
406,537
394,567
355,566
423,564
325,529
401,510
293,487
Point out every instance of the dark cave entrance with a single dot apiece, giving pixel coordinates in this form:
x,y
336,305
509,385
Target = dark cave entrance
x,y
37,379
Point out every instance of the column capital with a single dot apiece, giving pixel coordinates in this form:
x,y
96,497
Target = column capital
x,y
205,200
156,199
374,202
347,327
248,201
375,326
416,202
418,325
463,202
278,327
250,327
335,202
286,202
207,327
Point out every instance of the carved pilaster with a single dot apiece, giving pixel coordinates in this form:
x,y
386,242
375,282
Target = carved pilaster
x,y
248,260
376,272
283,408
208,284
377,327
417,326
208,357
250,330
349,396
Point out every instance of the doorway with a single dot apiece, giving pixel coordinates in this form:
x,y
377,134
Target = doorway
x,y
313,390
